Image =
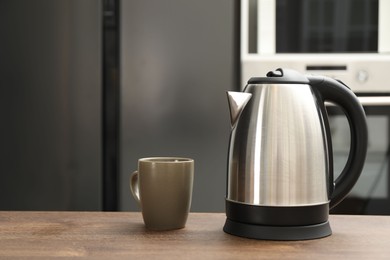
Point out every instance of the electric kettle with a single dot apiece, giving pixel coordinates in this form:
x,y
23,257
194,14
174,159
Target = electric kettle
x,y
280,171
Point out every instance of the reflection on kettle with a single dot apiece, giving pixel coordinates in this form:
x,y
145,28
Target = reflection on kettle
x,y
280,170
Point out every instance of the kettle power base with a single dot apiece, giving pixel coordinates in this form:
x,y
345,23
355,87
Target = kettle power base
x,y
277,223
277,232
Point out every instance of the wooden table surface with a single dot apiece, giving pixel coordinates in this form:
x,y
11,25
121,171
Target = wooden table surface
x,y
122,235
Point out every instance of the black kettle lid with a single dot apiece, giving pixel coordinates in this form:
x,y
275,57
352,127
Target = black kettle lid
x,y
280,75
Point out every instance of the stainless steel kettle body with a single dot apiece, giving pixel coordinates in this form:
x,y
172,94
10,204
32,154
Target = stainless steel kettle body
x,y
280,169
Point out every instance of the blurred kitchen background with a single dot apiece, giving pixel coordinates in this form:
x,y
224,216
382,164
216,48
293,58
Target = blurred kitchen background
x,y
88,87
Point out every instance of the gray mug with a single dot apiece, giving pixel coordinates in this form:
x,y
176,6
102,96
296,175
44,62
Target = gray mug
x,y
162,186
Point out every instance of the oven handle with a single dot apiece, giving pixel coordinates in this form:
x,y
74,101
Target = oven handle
x,y
375,101
369,101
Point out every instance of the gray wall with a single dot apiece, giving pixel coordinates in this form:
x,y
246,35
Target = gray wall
x,y
177,62
50,105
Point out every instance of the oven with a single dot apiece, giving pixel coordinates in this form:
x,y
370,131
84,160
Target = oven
x,y
345,39
371,193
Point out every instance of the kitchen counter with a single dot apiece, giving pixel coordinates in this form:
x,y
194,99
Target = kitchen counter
x,y
122,235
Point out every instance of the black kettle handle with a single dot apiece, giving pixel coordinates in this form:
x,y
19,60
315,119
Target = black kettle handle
x,y
335,91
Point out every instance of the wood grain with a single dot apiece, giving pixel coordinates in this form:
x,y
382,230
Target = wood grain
x,y
122,235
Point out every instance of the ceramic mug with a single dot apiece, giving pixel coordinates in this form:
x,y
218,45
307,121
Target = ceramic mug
x,y
162,186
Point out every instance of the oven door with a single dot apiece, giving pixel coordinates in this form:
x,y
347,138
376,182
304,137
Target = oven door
x,y
371,194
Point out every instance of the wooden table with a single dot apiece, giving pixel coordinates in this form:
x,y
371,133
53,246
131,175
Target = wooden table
x,y
116,235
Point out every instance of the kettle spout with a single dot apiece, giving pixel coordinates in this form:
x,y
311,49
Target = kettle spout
x,y
237,102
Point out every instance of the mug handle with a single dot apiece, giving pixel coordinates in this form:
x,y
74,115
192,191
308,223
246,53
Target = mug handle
x,y
134,186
